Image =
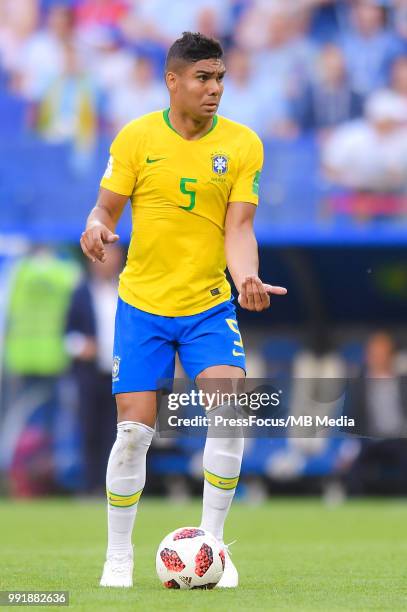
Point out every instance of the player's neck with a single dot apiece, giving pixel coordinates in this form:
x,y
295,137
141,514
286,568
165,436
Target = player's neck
x,y
187,127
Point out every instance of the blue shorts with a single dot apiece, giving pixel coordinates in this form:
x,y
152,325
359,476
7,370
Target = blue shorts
x,y
145,345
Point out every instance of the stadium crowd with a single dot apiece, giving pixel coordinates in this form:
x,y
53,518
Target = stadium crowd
x,y
336,68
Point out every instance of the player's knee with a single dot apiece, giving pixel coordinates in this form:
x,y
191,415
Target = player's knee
x,y
228,447
225,447
132,439
225,427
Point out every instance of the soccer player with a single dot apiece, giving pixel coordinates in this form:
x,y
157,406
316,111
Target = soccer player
x,y
193,178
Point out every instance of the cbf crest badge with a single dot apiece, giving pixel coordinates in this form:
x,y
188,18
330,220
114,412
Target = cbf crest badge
x,y
220,163
116,367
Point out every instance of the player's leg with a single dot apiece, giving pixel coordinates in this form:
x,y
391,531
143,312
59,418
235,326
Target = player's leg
x,y
222,461
211,348
126,470
223,453
143,356
125,479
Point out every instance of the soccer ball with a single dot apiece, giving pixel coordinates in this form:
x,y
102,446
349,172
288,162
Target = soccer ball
x,y
190,558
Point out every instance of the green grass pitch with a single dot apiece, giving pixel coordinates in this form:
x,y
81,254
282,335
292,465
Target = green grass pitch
x,y
291,555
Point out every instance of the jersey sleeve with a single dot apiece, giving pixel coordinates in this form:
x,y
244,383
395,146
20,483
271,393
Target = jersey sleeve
x,y
122,168
246,185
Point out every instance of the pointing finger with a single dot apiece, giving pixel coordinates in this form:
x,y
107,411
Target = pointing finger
x,y
274,289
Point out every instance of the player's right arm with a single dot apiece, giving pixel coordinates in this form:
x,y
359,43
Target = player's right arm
x,y
101,224
117,185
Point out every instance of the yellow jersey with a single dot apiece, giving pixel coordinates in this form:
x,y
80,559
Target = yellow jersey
x,y
179,191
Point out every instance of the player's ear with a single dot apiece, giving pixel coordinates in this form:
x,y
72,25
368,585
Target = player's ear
x,y
171,80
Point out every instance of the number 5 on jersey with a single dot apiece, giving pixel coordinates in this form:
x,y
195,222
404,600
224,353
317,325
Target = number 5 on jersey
x,y
233,326
189,192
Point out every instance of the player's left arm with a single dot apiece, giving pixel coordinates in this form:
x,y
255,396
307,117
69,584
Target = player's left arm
x,y
242,258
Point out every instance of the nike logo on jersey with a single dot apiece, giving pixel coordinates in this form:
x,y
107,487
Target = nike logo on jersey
x,y
152,161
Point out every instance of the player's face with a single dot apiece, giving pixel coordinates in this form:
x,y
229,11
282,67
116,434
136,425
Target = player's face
x,y
198,88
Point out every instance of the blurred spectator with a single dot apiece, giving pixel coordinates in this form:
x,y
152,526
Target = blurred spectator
x,y
109,63
153,21
274,28
89,341
400,18
100,13
282,57
398,76
326,19
34,349
329,99
37,306
369,46
371,154
238,102
18,19
379,407
252,30
42,57
32,470
380,398
97,23
141,94
67,112
209,21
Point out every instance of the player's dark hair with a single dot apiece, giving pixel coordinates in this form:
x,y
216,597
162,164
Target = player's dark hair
x,y
192,47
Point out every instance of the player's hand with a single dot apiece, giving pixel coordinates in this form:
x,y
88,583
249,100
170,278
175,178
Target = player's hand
x,y
255,295
93,242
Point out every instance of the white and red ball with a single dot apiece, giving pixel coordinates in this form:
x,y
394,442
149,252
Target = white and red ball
x,y
190,558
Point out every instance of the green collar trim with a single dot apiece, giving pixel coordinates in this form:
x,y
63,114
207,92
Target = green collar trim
x,y
166,115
